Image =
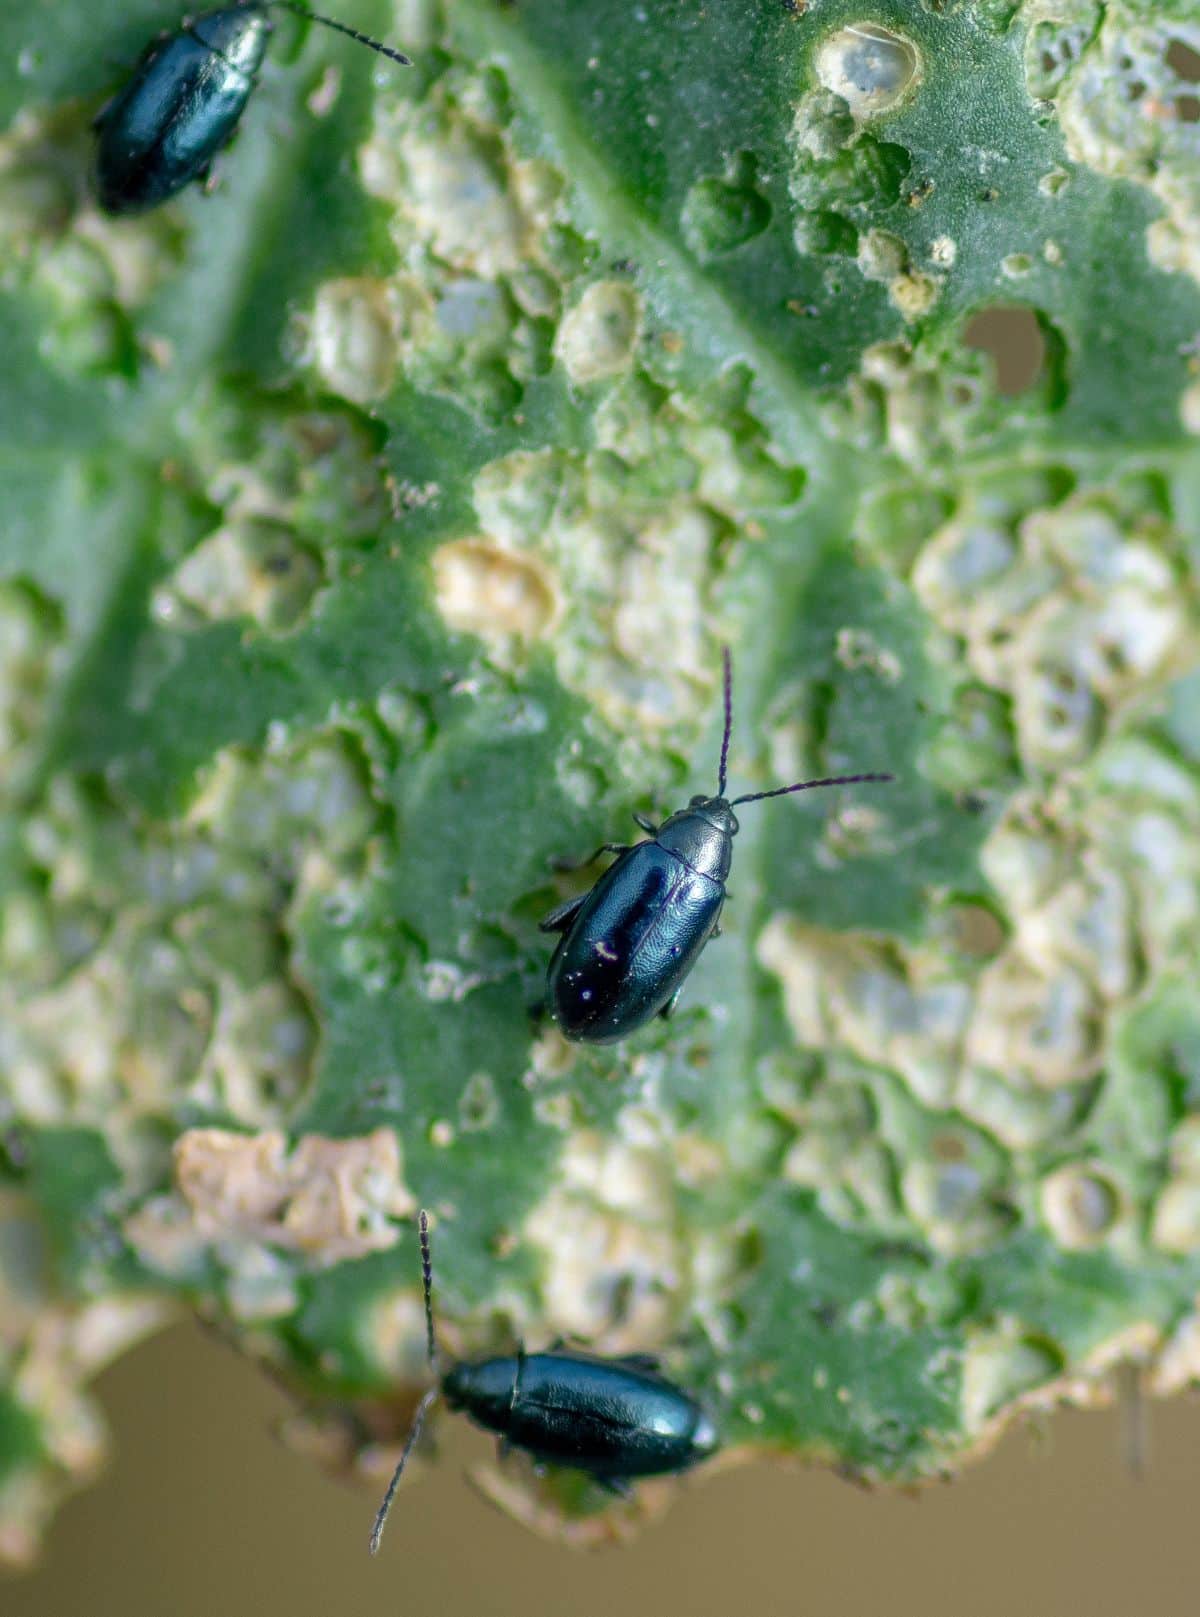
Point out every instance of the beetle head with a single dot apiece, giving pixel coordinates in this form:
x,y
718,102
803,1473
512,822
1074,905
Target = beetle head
x,y
238,34
702,835
704,1439
716,811
484,1389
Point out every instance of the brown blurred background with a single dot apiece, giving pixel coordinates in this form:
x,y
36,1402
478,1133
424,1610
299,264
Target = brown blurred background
x,y
202,1512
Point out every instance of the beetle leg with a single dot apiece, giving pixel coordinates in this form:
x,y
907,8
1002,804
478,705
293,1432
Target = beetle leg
x,y
642,1361
580,864
516,1386
668,1009
619,1487
566,1344
561,916
646,823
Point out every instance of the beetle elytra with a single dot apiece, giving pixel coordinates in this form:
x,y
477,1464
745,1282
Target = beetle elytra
x,y
626,945
185,100
615,1419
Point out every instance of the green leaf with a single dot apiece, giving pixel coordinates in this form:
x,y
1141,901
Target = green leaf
x,y
373,528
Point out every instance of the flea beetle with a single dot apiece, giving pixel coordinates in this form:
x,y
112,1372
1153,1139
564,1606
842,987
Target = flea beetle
x,y
185,100
628,944
615,1419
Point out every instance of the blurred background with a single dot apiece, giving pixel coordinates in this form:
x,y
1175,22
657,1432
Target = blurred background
x,y
203,1511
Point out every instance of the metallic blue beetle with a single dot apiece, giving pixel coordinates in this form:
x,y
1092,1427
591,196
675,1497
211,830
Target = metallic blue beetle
x,y
615,1419
629,942
185,100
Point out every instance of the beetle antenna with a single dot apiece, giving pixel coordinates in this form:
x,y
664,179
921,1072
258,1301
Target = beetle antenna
x,y
414,1432
427,1283
727,688
808,785
423,1408
341,28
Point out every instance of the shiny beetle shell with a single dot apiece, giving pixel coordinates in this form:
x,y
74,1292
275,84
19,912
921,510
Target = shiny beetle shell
x,y
636,935
628,944
181,106
184,102
613,1419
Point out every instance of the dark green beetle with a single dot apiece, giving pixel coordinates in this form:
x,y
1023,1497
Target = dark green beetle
x,y
184,103
615,1419
629,942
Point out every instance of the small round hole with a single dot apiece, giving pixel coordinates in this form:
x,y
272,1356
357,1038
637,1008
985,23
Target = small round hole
x,y
1013,336
1185,61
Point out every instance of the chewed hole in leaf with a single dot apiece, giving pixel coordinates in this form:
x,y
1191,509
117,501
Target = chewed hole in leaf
x,y
824,231
1024,348
1184,61
1053,49
721,214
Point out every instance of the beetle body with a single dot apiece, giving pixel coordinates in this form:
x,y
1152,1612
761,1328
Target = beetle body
x,y
185,100
615,1419
627,945
179,109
